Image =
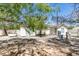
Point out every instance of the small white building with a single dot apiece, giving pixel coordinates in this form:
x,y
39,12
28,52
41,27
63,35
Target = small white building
x,y
62,31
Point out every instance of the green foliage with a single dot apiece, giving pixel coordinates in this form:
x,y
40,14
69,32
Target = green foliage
x,y
31,22
45,8
36,22
10,27
41,25
77,20
70,27
11,13
13,26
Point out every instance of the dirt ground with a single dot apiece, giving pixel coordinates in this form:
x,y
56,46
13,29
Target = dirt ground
x,y
36,47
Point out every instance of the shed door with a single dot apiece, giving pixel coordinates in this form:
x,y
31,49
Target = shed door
x,y
62,30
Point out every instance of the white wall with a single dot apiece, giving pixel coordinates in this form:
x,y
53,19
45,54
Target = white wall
x,y
2,32
63,33
47,32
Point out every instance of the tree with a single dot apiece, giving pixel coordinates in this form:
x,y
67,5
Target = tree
x,y
44,9
11,13
37,21
31,22
57,10
41,25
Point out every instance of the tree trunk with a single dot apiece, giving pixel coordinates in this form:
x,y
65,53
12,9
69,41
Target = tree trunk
x,y
55,30
40,33
5,31
4,28
67,38
57,18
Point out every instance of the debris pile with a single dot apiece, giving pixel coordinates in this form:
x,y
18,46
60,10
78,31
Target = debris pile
x,y
32,47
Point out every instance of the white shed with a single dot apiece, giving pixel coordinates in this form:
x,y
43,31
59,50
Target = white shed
x,y
62,30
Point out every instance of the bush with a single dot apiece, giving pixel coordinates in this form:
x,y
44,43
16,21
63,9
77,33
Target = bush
x,y
15,26
71,27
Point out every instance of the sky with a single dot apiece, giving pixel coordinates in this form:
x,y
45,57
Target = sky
x,y
65,10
